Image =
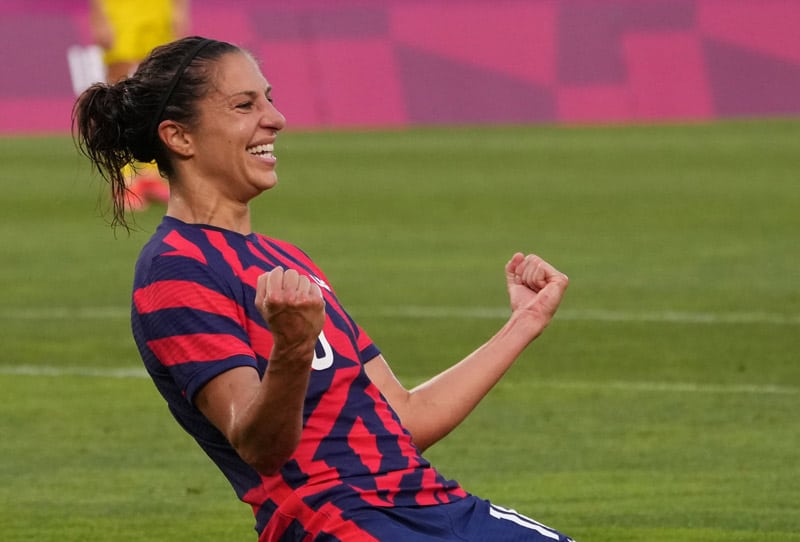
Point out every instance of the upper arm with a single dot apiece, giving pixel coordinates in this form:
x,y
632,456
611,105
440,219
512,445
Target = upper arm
x,y
223,397
193,327
381,375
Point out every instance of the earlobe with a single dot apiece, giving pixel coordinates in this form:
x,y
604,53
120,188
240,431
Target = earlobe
x,y
176,138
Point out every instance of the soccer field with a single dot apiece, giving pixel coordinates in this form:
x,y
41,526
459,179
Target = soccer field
x,y
661,404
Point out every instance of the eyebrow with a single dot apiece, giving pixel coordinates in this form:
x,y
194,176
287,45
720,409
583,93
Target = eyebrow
x,y
251,93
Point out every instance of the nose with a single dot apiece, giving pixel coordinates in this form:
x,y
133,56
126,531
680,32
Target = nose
x,y
272,118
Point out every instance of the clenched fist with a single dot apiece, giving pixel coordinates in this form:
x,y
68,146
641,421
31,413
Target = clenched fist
x,y
535,289
293,307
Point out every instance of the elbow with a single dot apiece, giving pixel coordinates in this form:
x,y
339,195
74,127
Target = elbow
x,y
266,458
421,446
422,441
267,467
266,463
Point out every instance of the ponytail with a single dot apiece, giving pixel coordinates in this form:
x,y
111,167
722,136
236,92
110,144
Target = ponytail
x,y
100,120
116,125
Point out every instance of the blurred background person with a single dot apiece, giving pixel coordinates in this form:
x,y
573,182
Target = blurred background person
x,y
127,30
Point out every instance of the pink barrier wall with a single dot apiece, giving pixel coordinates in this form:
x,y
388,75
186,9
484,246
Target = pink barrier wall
x,y
398,62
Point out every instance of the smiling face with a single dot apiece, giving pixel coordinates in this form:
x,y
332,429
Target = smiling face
x,y
233,138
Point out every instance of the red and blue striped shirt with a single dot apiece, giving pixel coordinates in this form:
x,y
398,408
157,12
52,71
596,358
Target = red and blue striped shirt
x,y
193,317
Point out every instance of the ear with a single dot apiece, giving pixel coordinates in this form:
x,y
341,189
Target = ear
x,y
176,138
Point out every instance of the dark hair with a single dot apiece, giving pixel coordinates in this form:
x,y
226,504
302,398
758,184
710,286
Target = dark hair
x,y
116,124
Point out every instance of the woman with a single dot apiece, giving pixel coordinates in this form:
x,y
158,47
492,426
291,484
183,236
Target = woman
x,y
247,342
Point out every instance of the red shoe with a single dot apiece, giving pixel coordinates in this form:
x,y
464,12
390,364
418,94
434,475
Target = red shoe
x,y
154,189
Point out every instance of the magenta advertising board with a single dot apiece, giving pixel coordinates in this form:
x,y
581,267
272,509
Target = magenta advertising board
x,y
391,63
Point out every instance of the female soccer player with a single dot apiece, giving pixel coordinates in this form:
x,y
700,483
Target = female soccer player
x,y
246,340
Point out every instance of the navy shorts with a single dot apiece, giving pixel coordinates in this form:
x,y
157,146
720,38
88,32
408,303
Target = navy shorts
x,y
467,520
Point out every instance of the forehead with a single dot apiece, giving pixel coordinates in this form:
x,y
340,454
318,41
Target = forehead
x,y
237,72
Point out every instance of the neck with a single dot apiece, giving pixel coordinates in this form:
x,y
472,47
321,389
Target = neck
x,y
209,209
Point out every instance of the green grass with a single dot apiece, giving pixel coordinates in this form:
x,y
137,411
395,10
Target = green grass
x,y
661,405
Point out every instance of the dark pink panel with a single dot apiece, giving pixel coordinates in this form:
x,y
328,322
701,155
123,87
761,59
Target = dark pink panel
x,y
441,90
748,83
35,115
34,55
339,20
769,27
591,34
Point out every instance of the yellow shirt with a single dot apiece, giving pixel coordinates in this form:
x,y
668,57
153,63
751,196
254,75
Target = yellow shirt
x,y
139,26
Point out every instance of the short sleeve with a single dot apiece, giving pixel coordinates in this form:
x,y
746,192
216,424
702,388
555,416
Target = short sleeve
x,y
190,322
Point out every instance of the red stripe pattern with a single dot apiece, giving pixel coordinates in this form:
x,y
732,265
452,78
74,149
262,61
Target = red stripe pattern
x,y
194,318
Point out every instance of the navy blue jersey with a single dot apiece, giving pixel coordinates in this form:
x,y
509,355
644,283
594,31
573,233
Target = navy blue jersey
x,y
194,317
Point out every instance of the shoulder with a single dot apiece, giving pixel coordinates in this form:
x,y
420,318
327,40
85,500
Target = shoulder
x,y
285,248
177,252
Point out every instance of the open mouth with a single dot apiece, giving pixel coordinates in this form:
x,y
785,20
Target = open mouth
x,y
262,150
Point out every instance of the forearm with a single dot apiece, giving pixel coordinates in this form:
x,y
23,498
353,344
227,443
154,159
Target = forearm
x,y
270,430
435,408
267,428
430,411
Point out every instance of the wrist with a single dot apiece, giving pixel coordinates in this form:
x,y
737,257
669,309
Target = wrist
x,y
292,358
524,325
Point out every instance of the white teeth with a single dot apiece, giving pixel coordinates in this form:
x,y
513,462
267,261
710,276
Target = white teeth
x,y
261,149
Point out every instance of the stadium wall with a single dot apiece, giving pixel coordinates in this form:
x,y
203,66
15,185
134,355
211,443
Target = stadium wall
x,y
386,63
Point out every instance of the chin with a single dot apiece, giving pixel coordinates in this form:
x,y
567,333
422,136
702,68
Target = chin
x,y
268,182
